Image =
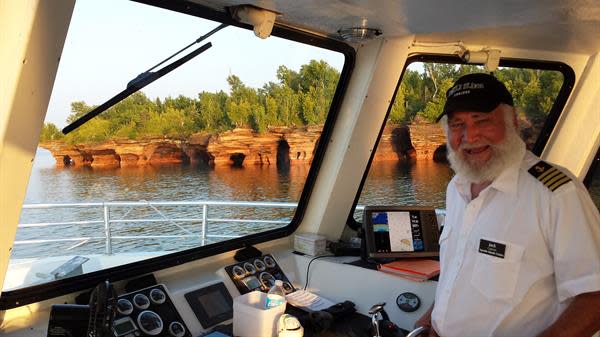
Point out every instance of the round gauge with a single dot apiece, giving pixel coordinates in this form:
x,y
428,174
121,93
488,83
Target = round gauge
x,y
157,296
267,279
259,265
150,323
124,307
176,329
269,262
249,267
287,287
238,272
408,302
141,301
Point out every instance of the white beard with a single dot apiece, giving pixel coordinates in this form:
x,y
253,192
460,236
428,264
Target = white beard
x,y
503,155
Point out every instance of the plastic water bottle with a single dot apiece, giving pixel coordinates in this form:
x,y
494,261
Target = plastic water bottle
x,y
276,295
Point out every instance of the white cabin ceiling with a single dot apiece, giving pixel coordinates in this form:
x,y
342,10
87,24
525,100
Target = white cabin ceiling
x,y
567,25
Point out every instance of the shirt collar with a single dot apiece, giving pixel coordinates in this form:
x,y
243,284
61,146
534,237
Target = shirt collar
x,y
506,182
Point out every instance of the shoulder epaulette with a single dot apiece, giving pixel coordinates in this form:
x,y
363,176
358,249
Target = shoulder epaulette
x,y
549,175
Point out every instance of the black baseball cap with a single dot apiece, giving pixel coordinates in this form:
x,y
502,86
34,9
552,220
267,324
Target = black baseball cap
x,y
476,92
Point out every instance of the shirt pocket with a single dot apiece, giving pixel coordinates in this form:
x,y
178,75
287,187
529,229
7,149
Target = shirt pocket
x,y
496,278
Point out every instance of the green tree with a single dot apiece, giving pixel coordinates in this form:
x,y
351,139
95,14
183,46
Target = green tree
x,y
78,109
211,116
398,110
96,130
298,98
242,102
50,133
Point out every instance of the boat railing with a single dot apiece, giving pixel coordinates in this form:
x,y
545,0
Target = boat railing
x,y
108,220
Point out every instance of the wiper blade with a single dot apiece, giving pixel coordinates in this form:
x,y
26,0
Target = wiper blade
x,y
143,80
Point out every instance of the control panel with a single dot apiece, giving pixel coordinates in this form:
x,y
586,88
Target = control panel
x,y
257,274
148,312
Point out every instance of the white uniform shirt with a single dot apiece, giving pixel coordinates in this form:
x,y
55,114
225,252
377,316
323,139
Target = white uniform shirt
x,y
551,243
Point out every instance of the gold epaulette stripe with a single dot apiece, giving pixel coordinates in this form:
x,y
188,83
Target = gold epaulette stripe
x,y
553,173
559,183
553,179
548,175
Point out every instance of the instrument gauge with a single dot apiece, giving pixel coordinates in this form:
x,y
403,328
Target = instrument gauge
x,y
176,329
158,296
141,301
150,323
259,265
124,306
267,279
238,272
288,288
249,267
269,262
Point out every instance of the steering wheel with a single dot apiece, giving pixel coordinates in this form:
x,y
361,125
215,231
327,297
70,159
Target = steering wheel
x,y
102,310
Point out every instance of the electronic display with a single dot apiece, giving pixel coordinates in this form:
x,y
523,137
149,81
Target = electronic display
x,y
401,231
123,326
212,304
251,282
396,231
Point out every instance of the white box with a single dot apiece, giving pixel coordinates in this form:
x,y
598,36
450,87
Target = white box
x,y
252,319
310,244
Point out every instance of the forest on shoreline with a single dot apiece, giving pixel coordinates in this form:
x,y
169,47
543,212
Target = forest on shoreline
x,y
297,98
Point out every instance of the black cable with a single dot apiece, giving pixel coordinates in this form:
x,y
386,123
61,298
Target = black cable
x,y
308,268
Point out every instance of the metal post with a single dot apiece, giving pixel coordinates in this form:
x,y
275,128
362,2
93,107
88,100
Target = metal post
x,y
107,230
203,230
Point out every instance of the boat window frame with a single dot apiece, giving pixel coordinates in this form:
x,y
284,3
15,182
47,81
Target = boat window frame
x,y
590,175
543,137
36,293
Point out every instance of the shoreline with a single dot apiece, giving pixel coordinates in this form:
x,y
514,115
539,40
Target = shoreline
x,y
281,146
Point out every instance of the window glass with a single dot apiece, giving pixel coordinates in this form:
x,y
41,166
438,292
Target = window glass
x,y
594,186
220,148
409,166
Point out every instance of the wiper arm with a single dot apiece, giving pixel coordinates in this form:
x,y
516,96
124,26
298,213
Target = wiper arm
x,y
144,79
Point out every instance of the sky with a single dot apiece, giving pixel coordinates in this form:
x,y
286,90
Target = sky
x,y
110,42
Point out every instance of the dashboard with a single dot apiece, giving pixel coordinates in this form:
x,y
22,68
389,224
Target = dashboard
x,y
258,273
198,297
148,312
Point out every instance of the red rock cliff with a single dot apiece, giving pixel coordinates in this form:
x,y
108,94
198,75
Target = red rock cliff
x,y
280,146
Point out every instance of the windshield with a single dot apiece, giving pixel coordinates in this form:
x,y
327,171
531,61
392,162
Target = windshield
x,y
216,150
409,166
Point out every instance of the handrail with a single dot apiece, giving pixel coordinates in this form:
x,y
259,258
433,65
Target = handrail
x,y
107,220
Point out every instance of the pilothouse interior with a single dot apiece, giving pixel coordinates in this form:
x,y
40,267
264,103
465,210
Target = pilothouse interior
x,y
191,292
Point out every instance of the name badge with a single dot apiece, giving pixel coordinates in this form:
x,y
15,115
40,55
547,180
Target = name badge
x,y
492,248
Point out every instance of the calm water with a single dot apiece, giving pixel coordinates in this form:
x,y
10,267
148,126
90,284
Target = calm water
x,y
390,183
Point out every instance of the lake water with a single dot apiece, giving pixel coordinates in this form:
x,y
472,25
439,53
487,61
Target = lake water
x,y
389,183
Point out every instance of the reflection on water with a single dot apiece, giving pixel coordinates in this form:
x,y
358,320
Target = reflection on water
x,y
421,182
389,183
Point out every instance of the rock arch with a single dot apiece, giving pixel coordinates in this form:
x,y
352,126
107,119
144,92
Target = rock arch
x,y
67,161
440,154
283,155
237,159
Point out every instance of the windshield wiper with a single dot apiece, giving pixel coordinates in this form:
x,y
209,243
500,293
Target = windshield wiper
x,y
144,79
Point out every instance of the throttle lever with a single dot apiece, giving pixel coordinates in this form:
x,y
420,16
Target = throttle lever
x,y
376,313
